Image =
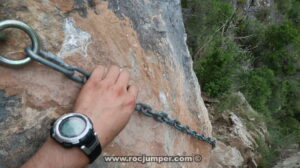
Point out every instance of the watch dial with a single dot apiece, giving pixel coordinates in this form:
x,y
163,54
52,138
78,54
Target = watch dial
x,y
72,126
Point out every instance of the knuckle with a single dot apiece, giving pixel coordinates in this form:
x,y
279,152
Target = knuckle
x,y
130,101
118,91
91,83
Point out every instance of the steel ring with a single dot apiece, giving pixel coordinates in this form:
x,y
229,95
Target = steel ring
x,y
28,30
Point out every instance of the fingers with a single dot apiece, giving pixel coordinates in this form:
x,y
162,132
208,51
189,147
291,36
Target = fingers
x,y
112,75
98,74
123,79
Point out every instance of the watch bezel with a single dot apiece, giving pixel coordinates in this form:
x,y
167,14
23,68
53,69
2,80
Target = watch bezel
x,y
56,134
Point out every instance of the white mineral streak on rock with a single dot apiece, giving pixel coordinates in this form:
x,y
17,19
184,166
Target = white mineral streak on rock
x,y
76,40
134,70
169,134
163,100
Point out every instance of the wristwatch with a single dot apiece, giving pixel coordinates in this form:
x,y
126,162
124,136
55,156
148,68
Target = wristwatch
x,y
76,130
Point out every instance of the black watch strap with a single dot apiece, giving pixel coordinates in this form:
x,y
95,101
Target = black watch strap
x,y
92,147
95,153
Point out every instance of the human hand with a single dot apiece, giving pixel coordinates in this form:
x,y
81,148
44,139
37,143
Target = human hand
x,y
108,101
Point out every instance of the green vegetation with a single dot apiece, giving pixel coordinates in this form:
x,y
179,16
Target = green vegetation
x,y
256,85
257,55
217,69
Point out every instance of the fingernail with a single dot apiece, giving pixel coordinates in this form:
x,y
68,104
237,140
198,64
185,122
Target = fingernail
x,y
121,69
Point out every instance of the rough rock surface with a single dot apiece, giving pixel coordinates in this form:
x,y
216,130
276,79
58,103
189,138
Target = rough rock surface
x,y
144,36
252,7
289,157
240,130
292,161
224,156
251,4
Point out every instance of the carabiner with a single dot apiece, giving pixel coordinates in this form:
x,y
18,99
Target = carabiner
x,y
28,30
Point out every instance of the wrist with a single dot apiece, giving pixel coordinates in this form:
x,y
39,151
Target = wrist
x,y
69,157
52,154
99,125
99,128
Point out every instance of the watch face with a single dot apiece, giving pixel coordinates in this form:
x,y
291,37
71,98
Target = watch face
x,y
72,126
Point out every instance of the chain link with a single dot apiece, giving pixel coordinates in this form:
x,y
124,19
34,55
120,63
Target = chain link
x,y
57,63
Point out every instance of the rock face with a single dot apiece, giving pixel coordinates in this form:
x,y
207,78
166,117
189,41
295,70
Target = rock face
x,y
292,161
252,7
146,37
225,156
248,4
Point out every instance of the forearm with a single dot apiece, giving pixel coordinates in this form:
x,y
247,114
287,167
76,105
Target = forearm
x,y
53,155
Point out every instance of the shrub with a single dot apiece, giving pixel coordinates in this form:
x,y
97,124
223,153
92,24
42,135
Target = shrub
x,y
294,14
282,46
266,153
216,71
284,5
291,95
251,33
263,14
257,87
279,36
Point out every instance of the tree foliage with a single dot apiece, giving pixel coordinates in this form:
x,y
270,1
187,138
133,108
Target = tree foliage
x,y
254,55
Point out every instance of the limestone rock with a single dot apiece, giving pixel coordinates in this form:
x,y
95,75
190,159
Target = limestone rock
x,y
254,4
144,36
289,157
239,129
291,161
224,156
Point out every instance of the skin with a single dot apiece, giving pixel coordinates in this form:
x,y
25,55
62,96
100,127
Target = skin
x,y
108,101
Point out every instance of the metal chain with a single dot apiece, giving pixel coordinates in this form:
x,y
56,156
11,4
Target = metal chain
x,y
81,76
164,117
57,63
